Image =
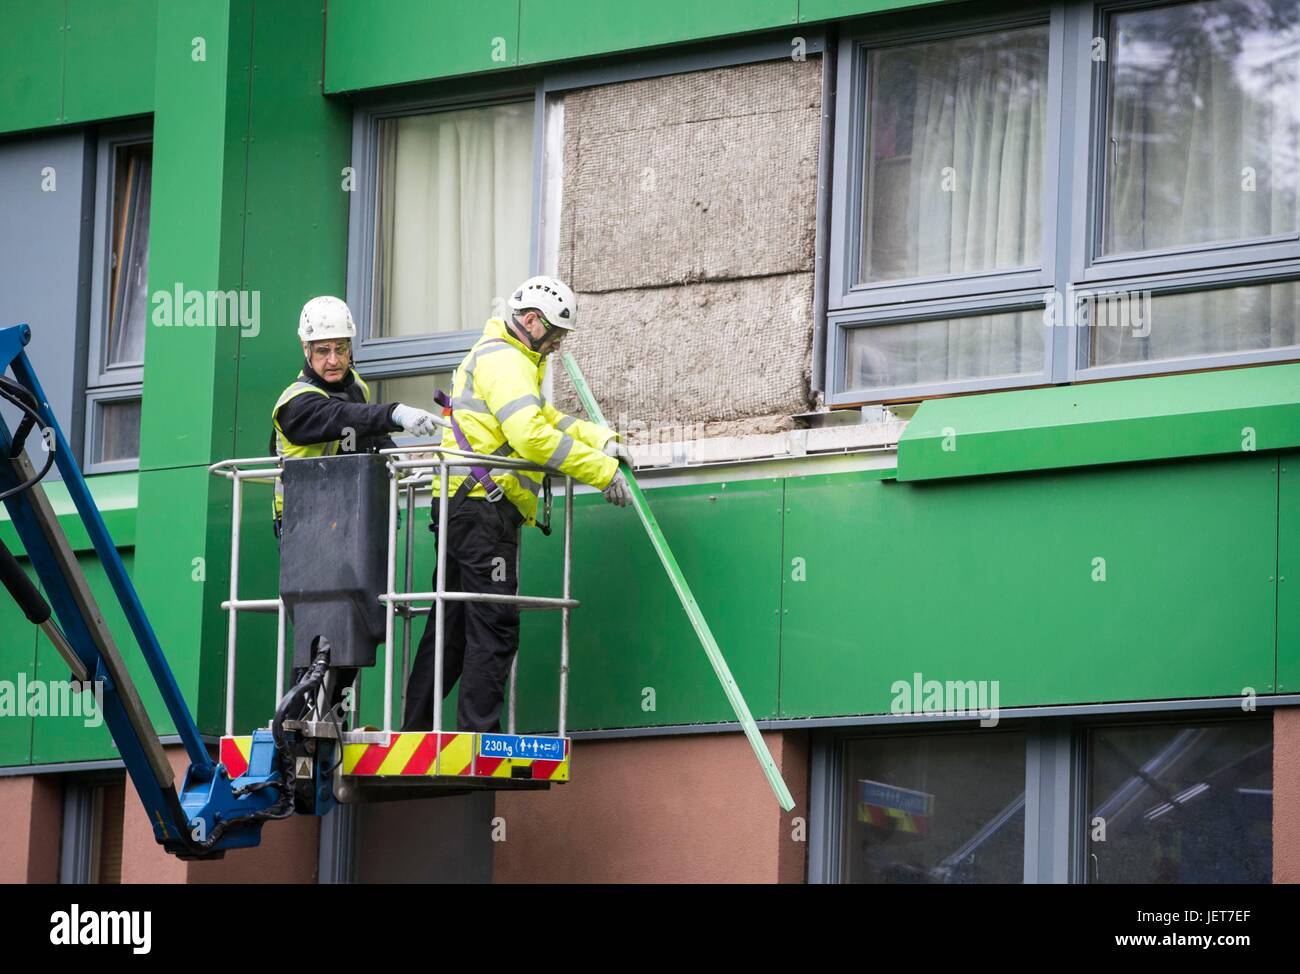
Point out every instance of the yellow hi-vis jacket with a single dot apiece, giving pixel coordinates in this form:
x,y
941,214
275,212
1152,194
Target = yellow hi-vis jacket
x,y
285,448
496,397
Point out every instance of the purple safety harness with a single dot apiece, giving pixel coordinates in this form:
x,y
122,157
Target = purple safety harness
x,y
480,474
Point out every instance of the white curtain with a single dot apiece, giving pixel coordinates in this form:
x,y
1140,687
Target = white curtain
x,y
954,187
1204,147
455,217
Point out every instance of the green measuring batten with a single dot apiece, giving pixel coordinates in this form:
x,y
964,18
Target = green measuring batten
x,y
702,630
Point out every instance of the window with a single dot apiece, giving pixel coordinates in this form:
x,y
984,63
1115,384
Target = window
x,y
119,304
1033,195
91,848
935,808
1175,803
448,228
1147,800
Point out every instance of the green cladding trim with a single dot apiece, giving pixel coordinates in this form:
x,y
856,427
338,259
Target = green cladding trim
x,y
115,495
1133,420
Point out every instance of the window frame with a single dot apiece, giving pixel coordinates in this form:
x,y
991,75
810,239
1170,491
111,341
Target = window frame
x,y
1073,209
1057,766
96,399
1092,101
105,383
851,129
387,358
1083,727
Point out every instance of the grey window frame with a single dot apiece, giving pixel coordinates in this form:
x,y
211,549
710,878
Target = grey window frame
x,y
1073,202
826,791
107,383
96,399
1082,730
850,130
388,358
852,306
1056,778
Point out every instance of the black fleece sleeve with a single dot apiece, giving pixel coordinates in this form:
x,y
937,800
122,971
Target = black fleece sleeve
x,y
310,418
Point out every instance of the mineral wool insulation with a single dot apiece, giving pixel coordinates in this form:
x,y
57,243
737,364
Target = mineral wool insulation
x,y
687,229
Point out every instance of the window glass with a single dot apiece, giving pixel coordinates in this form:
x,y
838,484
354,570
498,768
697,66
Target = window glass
x,y
414,390
129,270
1181,803
454,220
944,350
1138,327
938,808
118,429
953,180
1203,124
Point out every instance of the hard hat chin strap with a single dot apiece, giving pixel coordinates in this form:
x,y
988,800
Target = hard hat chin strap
x,y
534,343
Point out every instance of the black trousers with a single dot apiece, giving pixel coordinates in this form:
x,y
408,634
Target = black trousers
x,y
479,638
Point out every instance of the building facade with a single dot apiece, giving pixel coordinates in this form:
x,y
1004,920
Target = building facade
x,y
956,344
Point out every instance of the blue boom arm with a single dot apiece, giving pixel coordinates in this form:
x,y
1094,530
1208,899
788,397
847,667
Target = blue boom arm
x,y
208,816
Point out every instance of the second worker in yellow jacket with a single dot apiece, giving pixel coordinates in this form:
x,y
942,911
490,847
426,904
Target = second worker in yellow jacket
x,y
497,409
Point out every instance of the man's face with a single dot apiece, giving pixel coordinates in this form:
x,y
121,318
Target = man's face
x,y
331,358
537,327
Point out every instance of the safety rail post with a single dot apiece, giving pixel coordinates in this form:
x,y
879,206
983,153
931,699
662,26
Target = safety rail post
x,y
564,612
440,591
389,605
410,580
236,515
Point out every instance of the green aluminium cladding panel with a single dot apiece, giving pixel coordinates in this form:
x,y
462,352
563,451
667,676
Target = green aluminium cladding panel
x,y
30,667
634,659
370,45
1288,566
66,61
1122,583
1196,414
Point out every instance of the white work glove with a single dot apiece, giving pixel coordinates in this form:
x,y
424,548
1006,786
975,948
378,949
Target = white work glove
x,y
613,448
417,422
618,492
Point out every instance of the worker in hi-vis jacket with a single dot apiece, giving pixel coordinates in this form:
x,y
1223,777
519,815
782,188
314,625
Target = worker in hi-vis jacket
x,y
496,408
327,409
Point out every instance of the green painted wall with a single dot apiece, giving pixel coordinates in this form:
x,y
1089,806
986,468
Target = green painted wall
x,y
67,61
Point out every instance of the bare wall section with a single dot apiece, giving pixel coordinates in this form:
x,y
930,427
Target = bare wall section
x,y
687,228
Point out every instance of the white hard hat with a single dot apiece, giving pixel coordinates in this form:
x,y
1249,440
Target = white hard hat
x,y
325,317
550,296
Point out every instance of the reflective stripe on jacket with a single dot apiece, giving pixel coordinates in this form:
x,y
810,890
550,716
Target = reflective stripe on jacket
x,y
288,450
496,397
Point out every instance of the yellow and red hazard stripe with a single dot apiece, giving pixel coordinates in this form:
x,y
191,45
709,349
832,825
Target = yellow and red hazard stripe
x,y
883,816
234,754
453,754
417,754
